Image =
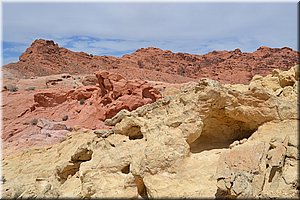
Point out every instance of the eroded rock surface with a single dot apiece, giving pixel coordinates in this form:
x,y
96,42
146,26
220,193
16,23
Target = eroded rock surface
x,y
84,106
266,166
209,140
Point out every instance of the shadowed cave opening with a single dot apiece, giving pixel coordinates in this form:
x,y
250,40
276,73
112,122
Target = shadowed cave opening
x,y
220,132
126,169
221,194
135,133
73,166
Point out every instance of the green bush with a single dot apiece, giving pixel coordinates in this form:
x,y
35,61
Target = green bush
x,y
81,101
30,88
34,122
65,118
13,88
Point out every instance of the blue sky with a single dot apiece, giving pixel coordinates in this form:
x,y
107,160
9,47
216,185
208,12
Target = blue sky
x,y
120,28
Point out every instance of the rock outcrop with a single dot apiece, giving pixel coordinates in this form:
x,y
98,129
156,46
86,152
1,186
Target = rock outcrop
x,y
209,140
84,106
112,94
116,93
264,167
45,57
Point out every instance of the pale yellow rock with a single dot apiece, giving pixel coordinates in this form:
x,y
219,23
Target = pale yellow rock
x,y
286,78
277,80
261,166
171,91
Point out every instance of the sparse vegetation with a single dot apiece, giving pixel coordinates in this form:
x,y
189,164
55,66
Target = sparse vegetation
x,y
81,101
65,118
34,122
140,64
182,71
12,88
30,88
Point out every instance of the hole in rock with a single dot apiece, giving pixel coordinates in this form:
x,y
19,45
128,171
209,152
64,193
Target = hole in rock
x,y
221,194
141,188
219,132
72,167
126,169
69,170
147,94
134,137
135,133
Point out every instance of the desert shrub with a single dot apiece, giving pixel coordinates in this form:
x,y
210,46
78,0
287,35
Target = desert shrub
x,y
65,118
30,88
140,64
81,101
182,71
13,88
34,122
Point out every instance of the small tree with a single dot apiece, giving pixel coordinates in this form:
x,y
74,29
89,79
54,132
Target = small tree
x,y
34,122
65,118
181,71
81,101
13,88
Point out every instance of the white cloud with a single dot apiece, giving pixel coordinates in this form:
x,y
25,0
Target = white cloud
x,y
189,27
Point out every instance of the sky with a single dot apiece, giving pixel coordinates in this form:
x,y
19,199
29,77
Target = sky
x,y
116,29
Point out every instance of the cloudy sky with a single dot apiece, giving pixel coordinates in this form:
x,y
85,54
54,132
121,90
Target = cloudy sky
x,y
120,28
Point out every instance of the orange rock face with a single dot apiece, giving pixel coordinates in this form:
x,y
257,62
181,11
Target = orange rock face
x,y
117,93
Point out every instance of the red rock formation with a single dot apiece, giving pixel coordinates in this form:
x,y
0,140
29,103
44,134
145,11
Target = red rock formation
x,y
85,106
45,58
117,93
224,66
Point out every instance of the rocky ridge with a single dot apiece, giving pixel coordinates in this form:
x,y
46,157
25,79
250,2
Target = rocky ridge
x,y
208,140
45,57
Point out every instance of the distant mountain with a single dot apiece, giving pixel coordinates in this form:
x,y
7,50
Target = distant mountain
x,y
45,57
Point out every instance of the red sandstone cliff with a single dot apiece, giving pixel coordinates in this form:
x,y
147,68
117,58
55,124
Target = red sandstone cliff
x,y
46,58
